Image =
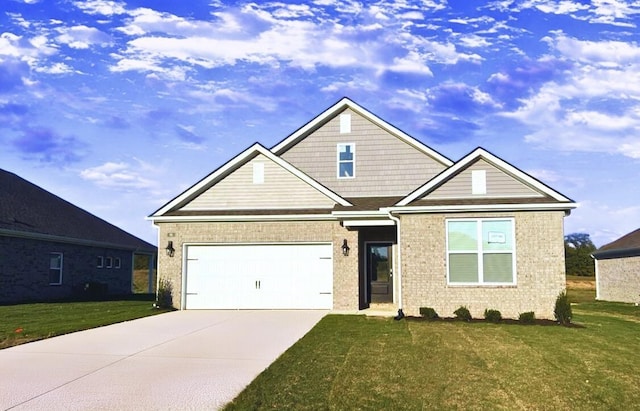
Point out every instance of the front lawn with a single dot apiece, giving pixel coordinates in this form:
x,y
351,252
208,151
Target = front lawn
x,y
355,362
22,323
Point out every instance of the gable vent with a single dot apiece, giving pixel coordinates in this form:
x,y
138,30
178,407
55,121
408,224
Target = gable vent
x,y
345,123
258,173
478,182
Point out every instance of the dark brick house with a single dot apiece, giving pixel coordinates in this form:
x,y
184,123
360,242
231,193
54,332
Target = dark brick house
x,y
51,249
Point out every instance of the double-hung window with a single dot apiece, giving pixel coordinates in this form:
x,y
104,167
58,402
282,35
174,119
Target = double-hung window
x,y
55,268
346,160
481,251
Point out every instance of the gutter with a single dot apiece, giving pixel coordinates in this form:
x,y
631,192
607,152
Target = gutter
x,y
399,262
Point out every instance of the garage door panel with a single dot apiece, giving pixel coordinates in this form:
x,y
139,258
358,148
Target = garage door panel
x,y
292,276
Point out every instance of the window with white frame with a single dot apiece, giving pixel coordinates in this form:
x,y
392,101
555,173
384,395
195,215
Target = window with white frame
x,y
117,263
109,262
100,262
55,268
481,251
346,160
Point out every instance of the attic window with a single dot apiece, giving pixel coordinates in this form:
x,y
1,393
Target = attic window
x,y
346,160
345,123
258,173
478,182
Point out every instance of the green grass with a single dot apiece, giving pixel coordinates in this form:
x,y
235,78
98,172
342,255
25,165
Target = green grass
x,y
355,362
23,323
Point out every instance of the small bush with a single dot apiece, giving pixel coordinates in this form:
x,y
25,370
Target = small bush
x,y
164,299
428,313
562,311
462,313
528,317
492,315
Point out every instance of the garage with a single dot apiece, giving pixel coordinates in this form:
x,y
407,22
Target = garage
x,y
259,276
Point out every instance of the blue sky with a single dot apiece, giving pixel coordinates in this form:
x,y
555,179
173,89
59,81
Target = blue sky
x,y
118,106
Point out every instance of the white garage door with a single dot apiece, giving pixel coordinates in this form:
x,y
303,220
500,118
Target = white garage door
x,y
278,276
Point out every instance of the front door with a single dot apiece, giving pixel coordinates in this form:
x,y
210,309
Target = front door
x,y
380,272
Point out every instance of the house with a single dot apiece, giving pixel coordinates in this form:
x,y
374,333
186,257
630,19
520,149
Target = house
x,y
618,269
350,213
51,249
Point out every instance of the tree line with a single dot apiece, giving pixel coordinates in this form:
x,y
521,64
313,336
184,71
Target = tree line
x,y
577,254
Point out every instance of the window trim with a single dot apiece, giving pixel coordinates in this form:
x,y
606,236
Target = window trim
x,y
117,263
338,161
100,262
61,255
481,252
109,262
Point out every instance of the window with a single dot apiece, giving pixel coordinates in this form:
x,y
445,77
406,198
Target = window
x,y
481,252
345,123
117,263
346,160
100,262
55,268
109,263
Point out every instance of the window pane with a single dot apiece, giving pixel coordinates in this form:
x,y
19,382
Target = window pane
x,y
54,276
346,153
498,268
346,169
463,268
463,236
497,235
55,261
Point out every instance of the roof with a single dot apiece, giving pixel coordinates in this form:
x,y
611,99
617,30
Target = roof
x,y
28,210
626,246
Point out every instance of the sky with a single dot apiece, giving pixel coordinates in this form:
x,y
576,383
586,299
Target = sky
x,y
119,106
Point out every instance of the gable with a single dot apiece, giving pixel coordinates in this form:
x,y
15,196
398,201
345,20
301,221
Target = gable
x,y
497,183
385,163
259,184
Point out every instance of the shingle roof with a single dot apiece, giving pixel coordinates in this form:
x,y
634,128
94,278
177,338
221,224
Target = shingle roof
x,y
27,208
626,246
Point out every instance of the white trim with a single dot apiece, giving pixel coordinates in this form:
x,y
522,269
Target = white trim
x,y
397,258
231,165
340,106
481,252
367,223
490,158
597,279
482,207
247,217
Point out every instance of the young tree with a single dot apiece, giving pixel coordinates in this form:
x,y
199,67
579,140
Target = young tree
x,y
577,253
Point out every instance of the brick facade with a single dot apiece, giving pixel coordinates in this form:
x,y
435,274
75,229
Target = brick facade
x,y
618,279
539,264
24,269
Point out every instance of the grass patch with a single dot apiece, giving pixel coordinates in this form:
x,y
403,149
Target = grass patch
x,y
22,323
355,362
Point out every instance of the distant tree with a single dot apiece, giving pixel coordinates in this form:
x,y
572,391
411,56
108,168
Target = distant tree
x,y
577,253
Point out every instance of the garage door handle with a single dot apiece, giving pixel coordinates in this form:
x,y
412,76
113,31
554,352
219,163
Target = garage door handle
x,y
192,293
258,284
325,293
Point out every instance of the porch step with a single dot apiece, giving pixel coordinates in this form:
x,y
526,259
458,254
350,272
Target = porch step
x,y
380,310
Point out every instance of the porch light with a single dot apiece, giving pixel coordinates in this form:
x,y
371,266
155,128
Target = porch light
x,y
170,250
345,248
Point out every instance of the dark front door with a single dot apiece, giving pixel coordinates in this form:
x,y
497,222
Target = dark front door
x,y
380,272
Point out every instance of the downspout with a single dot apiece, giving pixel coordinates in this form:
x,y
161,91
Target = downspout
x,y
595,261
399,263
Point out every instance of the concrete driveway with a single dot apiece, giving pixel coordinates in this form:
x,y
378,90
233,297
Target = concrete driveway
x,y
197,360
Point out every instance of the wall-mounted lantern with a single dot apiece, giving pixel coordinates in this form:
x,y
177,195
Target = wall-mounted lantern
x,y
170,250
345,248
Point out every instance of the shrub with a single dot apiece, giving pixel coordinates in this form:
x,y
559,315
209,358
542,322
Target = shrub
x,y
528,317
428,313
492,315
462,313
562,311
164,298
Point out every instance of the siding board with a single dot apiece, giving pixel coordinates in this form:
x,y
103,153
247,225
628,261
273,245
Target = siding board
x,y
385,165
499,184
280,190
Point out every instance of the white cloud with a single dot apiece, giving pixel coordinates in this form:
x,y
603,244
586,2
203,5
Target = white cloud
x,y
101,7
120,176
56,68
82,37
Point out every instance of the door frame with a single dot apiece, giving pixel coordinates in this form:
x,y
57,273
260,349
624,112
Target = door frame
x,y
367,279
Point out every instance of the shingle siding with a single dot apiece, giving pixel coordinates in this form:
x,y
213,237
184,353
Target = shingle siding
x,y
618,279
539,261
385,165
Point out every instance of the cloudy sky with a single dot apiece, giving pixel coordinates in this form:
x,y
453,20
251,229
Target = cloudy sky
x,y
118,106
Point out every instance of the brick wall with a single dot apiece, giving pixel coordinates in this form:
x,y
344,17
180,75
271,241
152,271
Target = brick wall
x,y
24,269
618,279
539,261
345,281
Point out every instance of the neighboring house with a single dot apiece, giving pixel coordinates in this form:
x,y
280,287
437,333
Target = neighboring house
x,y
618,269
50,248
350,213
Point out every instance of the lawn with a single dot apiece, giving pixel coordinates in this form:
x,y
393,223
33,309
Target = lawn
x,y
355,362
22,323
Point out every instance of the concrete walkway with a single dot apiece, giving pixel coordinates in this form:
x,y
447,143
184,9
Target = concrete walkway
x,y
183,360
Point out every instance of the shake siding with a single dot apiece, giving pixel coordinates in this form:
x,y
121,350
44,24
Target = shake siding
x,y
280,190
499,184
385,165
